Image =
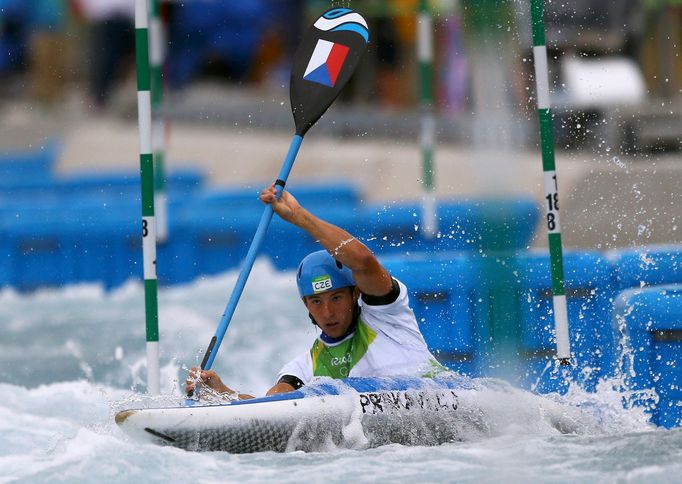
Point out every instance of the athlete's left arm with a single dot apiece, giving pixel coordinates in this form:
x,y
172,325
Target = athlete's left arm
x,y
280,388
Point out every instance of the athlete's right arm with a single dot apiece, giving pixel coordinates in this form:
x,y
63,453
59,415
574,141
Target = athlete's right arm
x,y
370,276
210,378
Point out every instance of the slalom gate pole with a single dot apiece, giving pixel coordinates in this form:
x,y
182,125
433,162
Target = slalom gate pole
x,y
428,121
550,182
144,112
157,56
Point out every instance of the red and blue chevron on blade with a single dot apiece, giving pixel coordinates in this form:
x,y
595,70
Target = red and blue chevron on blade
x,y
326,63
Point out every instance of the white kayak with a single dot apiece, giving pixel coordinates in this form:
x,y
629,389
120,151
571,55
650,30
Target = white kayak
x,y
349,413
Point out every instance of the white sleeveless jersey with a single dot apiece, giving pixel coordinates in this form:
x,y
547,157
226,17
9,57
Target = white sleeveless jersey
x,y
396,345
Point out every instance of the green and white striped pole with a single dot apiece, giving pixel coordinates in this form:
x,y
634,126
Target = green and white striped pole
x,y
428,121
144,112
157,55
551,186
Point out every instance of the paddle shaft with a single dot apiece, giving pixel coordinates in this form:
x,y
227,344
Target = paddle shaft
x,y
326,58
257,241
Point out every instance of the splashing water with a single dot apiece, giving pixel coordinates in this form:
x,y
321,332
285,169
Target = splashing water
x,y
71,358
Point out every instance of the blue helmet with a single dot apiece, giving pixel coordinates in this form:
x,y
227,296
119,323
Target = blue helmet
x,y
319,272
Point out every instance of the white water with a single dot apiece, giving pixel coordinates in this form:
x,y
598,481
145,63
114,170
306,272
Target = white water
x,y
69,359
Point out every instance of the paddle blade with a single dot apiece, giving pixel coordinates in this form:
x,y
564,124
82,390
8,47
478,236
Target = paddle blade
x,y
324,62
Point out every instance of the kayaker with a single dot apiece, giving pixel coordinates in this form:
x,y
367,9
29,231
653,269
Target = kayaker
x,y
367,327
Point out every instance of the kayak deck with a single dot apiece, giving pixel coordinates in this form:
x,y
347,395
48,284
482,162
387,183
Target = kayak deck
x,y
354,413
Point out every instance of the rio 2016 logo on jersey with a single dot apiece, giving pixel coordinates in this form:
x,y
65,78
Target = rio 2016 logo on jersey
x,y
326,63
322,283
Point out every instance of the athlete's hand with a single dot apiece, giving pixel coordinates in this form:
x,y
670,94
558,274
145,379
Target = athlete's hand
x,y
209,377
285,207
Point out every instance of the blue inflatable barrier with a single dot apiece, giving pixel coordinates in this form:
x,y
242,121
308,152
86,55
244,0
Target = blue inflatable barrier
x,y
5,262
341,194
647,266
118,186
230,201
102,245
17,168
39,253
449,300
287,245
104,191
649,322
589,295
331,194
462,225
87,230
108,243
179,183
209,242
60,245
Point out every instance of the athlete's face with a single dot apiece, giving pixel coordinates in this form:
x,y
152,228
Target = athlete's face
x,y
333,310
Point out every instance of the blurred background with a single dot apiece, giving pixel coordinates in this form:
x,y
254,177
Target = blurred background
x,y
67,90
78,56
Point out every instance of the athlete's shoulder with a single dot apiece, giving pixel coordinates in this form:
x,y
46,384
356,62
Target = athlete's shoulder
x,y
398,289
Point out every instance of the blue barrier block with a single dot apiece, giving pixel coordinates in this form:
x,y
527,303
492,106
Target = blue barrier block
x,y
448,299
506,224
393,229
649,321
107,243
462,225
17,168
176,260
39,253
13,201
647,266
107,187
210,242
72,243
108,246
5,256
4,266
66,244
181,257
340,194
287,245
226,200
123,185
589,293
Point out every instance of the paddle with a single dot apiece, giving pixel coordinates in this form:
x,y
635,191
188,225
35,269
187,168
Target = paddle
x,y
324,62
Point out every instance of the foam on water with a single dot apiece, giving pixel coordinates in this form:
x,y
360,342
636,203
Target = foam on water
x,y
69,359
